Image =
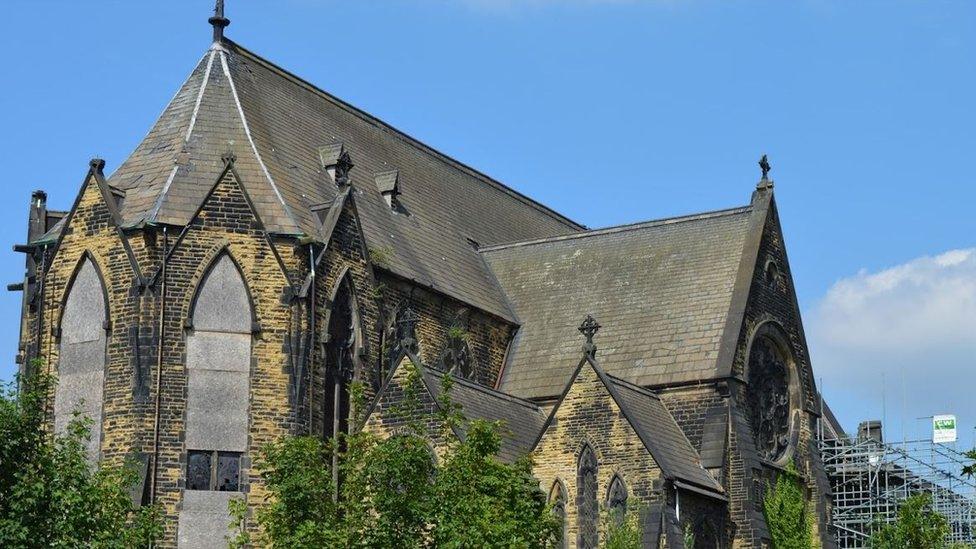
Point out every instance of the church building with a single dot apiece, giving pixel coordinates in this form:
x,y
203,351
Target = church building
x,y
267,243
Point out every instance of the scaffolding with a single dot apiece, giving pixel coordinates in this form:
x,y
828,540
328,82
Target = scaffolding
x,y
870,478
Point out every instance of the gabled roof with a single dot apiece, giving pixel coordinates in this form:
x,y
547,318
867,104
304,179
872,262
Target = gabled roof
x,y
663,290
654,425
521,420
277,124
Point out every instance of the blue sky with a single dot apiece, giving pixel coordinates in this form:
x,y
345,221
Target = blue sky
x,y
610,111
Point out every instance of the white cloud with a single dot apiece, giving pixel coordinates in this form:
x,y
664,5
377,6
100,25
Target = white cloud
x,y
926,302
914,324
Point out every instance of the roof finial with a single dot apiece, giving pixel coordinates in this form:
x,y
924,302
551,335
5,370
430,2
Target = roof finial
x,y
589,328
342,168
765,182
218,21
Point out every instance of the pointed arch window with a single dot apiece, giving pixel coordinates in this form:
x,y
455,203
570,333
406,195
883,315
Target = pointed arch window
x,y
82,353
218,365
587,509
557,501
218,372
456,357
617,499
340,357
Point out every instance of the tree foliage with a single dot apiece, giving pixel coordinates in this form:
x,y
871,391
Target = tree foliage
x,y
623,532
395,492
788,514
970,470
50,495
918,526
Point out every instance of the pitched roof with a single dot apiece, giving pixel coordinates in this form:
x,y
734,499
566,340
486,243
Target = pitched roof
x,y
521,420
654,425
662,435
662,290
276,125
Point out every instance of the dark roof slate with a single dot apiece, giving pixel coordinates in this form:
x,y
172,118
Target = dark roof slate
x,y
521,420
277,125
662,291
662,435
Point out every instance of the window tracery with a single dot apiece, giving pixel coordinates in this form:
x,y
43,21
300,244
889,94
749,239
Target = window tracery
x,y
769,397
456,357
557,500
400,336
617,499
340,359
587,509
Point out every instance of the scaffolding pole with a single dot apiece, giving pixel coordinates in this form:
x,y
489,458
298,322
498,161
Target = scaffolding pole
x,y
869,480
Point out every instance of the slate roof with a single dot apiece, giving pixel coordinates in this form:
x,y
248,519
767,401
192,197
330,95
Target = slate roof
x,y
276,124
661,289
662,435
522,420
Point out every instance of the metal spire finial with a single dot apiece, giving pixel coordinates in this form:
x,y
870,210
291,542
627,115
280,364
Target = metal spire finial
x,y
218,21
589,328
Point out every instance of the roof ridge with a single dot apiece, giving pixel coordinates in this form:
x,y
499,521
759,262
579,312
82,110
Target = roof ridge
x,y
485,389
237,48
186,139
633,387
225,65
622,228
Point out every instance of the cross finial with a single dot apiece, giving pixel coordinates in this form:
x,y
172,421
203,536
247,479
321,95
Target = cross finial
x,y
765,167
218,21
589,328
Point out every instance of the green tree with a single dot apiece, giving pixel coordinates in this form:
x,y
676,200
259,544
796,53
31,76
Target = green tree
x,y
624,532
918,526
50,495
970,470
395,492
788,514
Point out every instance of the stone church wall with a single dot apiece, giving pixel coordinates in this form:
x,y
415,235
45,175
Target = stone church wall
x,y
588,415
772,299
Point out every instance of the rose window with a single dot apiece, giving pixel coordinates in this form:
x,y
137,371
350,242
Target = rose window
x,y
769,395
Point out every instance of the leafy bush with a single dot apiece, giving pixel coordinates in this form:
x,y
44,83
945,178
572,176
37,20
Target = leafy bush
x,y
395,492
50,495
918,527
788,514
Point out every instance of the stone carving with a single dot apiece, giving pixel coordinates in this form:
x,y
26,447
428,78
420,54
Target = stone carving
x,y
401,336
769,397
456,357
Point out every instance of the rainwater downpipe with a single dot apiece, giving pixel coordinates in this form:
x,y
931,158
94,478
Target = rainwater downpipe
x,y
159,368
311,335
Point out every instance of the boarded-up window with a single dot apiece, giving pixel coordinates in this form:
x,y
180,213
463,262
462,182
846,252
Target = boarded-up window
x,y
81,361
218,364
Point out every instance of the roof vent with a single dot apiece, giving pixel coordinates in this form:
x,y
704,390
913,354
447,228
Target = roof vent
x,y
329,157
388,184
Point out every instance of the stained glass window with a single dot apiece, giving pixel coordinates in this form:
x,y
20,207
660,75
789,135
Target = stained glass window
x,y
587,509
